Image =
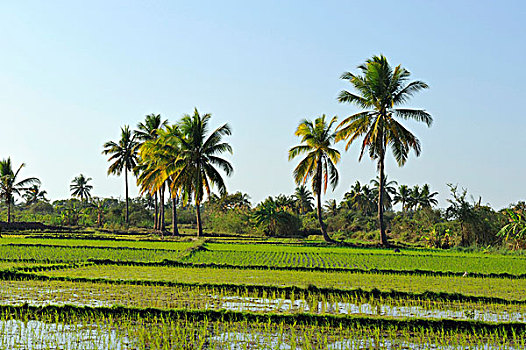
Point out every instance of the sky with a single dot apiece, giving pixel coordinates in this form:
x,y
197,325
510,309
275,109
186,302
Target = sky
x,y
73,72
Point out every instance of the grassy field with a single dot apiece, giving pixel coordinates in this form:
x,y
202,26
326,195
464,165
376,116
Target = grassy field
x,y
137,294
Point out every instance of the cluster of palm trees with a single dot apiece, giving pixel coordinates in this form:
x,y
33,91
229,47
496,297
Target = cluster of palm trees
x,y
181,161
11,184
380,88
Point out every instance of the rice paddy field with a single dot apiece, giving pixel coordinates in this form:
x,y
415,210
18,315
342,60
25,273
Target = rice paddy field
x,y
58,293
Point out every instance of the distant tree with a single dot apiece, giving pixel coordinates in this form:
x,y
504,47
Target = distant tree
x,y
123,155
81,188
33,194
320,161
380,89
11,185
515,229
462,210
389,191
331,207
403,196
304,199
273,219
360,198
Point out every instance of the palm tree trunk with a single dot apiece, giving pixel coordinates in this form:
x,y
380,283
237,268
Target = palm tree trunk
x,y
175,230
161,210
126,182
320,219
156,215
383,235
199,225
8,210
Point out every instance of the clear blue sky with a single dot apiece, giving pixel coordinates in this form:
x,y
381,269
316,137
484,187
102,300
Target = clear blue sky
x,y
73,72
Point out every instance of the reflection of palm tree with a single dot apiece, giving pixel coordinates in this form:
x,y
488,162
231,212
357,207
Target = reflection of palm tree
x,y
124,156
304,199
80,188
380,89
320,161
10,185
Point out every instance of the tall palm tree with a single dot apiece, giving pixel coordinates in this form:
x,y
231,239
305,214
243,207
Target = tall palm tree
x,y
195,170
426,198
80,188
146,131
304,199
123,154
381,88
320,161
10,185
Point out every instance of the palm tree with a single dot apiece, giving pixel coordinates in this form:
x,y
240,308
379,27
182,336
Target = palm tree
x,y
380,89
80,188
426,199
389,190
149,130
331,207
10,185
195,169
320,161
360,198
304,199
402,196
33,195
124,157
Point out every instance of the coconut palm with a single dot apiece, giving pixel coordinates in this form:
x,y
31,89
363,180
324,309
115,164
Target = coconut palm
x,y
11,185
195,170
360,198
123,155
320,161
80,188
157,157
33,194
389,191
403,196
331,207
381,88
304,199
426,197
149,130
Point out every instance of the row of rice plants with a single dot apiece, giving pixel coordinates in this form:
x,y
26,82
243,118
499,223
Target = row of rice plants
x,y
216,297
509,289
70,328
168,245
74,254
349,260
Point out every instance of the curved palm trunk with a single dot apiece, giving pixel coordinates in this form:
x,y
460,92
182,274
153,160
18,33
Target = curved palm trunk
x,y
161,211
126,182
383,235
199,224
175,230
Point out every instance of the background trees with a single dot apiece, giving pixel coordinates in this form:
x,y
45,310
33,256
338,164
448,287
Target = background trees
x,y
380,88
11,185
